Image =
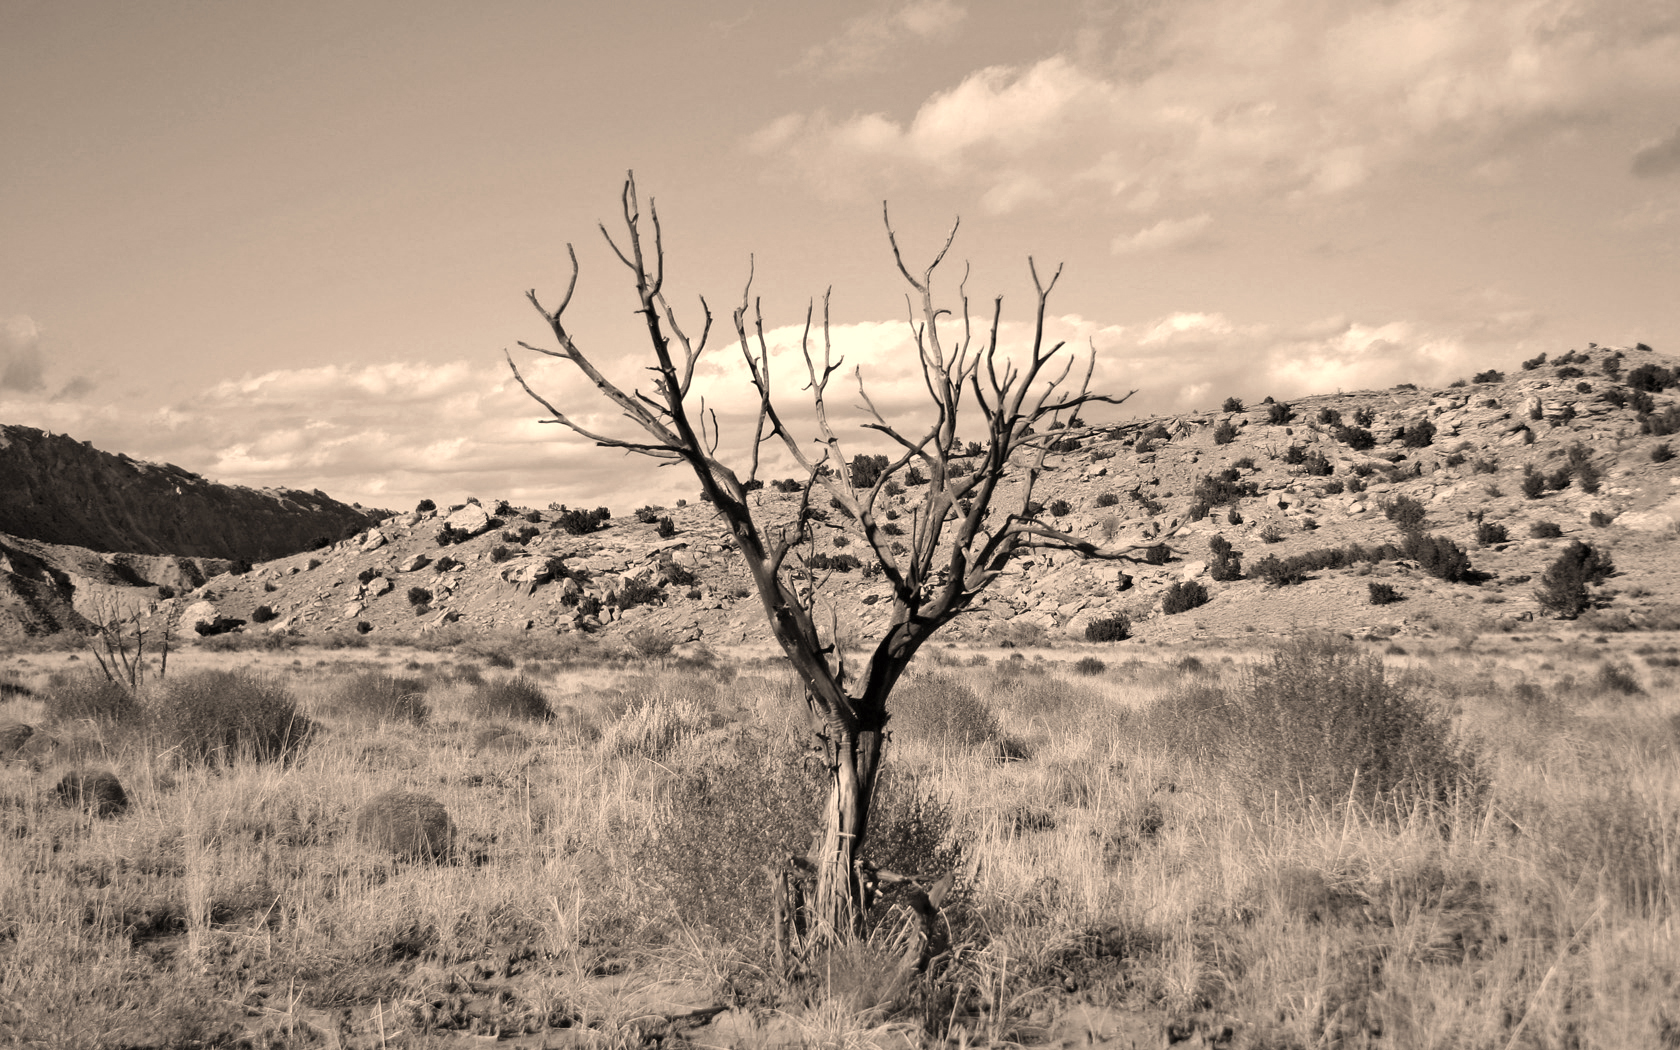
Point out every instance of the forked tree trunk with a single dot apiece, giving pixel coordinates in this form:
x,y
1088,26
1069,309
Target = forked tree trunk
x,y
837,909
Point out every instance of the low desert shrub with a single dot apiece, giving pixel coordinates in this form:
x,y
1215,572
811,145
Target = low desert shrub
x,y
1545,530
666,528
1382,593
1489,533
1224,433
1116,628
263,614
1318,723
1226,564
87,695
1533,482
1405,512
221,717
513,697
1437,555
1232,404
1563,586
1107,499
942,712
1662,453
1183,596
1418,435
1089,666
1157,554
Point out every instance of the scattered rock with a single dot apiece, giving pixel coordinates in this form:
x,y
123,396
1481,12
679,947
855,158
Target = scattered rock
x,y
470,519
375,540
414,563
408,824
100,793
379,586
198,614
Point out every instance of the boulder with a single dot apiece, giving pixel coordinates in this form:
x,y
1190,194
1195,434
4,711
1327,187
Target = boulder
x,y
470,519
200,614
373,541
408,824
1192,570
379,586
529,575
414,563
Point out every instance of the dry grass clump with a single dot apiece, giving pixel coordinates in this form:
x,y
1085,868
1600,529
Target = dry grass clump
x,y
657,726
223,716
87,695
940,711
1318,722
373,696
513,697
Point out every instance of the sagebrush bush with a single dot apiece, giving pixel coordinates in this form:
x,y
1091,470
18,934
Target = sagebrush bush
x,y
87,695
1116,628
377,697
221,717
1545,530
1318,722
513,697
1224,433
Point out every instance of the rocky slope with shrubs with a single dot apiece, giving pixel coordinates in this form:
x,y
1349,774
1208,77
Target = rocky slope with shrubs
x,y
79,526
1487,504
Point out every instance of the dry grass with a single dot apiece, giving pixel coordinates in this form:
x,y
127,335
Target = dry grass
x,y
603,875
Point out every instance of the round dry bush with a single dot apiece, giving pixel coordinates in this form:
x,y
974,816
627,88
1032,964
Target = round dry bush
x,y
100,793
408,824
13,735
379,697
515,697
87,695
224,716
944,713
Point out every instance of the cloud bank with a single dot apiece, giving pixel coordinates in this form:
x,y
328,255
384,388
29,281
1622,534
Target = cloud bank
x,y
391,434
1277,97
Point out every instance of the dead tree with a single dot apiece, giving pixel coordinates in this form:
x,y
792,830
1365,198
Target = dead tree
x,y
961,536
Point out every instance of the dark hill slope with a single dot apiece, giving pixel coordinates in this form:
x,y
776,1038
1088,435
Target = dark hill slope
x,y
58,490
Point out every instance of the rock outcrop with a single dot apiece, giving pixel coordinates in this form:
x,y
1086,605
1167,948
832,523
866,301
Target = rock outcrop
x,y
63,491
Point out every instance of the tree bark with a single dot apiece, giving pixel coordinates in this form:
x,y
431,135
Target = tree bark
x,y
855,764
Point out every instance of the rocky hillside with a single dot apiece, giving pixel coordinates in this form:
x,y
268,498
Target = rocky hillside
x,y
85,533
1455,500
62,491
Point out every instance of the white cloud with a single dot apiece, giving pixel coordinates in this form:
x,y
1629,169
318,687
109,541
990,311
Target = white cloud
x,y
1166,235
865,40
392,434
1259,99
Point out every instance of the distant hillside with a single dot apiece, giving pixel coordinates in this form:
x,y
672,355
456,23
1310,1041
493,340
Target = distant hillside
x,y
1505,470
58,490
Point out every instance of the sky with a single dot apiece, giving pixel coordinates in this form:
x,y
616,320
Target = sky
x,y
289,244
